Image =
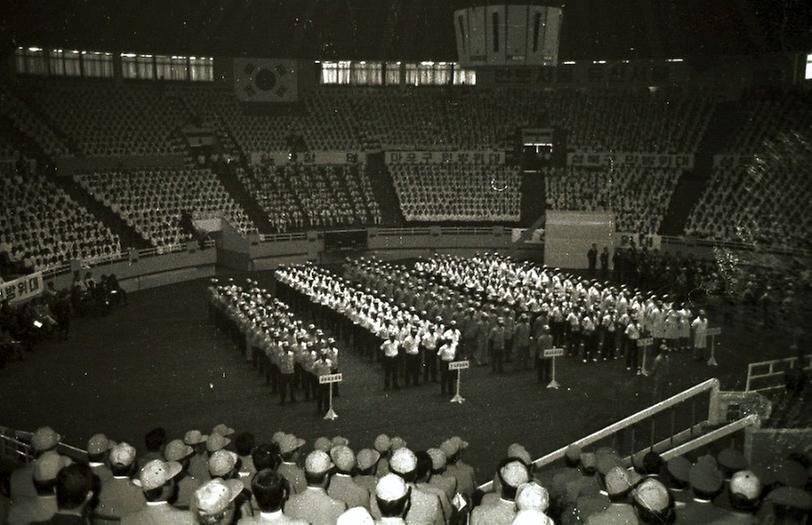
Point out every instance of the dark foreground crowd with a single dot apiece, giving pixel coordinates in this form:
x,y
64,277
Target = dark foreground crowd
x,y
225,477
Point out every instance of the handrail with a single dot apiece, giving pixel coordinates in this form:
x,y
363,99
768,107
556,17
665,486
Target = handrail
x,y
708,385
751,375
22,440
748,421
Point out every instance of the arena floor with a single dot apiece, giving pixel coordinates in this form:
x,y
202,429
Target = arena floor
x,y
158,362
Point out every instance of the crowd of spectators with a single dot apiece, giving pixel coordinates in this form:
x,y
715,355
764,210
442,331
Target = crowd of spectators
x,y
225,477
761,201
458,192
110,118
29,123
639,197
42,227
766,118
153,201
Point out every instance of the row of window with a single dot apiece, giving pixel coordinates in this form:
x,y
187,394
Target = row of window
x,y
396,73
98,64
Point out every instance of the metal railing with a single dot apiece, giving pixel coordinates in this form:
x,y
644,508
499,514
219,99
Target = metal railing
x,y
751,421
674,436
17,444
774,368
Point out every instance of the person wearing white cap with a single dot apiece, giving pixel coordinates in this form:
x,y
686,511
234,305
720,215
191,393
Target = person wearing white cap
x,y
314,505
511,473
439,477
214,502
157,480
366,461
393,497
22,481
289,449
424,507
199,461
177,450
618,487
532,517
43,506
119,496
270,491
97,448
342,486
463,472
356,516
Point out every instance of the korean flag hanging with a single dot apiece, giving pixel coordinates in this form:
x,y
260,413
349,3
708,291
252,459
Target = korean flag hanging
x,y
265,79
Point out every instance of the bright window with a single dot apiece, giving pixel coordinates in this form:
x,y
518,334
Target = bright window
x,y
31,61
393,73
808,74
201,69
97,64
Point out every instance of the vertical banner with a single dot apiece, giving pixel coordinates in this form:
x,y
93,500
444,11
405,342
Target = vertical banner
x,y
536,25
22,289
495,34
516,37
461,32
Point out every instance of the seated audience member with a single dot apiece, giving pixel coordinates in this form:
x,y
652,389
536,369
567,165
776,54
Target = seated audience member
x,y
179,452
392,497
98,448
22,479
74,493
157,480
119,496
270,492
367,461
44,504
653,503
313,504
342,486
214,502
511,473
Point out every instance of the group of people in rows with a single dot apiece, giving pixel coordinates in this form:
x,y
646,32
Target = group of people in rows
x,y
227,478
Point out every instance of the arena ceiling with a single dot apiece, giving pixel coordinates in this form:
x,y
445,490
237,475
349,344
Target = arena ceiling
x,y
400,29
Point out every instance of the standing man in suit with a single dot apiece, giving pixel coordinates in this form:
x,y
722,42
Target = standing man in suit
x,y
511,473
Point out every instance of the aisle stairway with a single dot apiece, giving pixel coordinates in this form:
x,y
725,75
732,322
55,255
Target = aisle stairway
x,y
691,184
384,190
533,203
227,175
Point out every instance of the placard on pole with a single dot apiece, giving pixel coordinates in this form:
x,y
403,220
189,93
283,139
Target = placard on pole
x,y
552,353
459,366
330,379
712,333
644,344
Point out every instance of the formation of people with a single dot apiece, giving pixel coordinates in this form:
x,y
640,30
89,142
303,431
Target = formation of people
x,y
226,477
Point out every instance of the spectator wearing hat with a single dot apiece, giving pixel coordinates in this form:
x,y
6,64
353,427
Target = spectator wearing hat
x,y
455,466
43,440
342,486
244,444
706,483
512,473
588,479
744,497
653,503
119,496
422,482
424,507
199,461
383,445
98,447
215,502
366,461
289,450
224,464
43,505
678,470
786,505
270,491
356,516
178,451
157,480
557,479
393,498
74,492
154,441
314,504
439,476
618,487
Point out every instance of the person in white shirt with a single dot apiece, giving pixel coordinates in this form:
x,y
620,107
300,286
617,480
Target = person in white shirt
x,y
446,353
391,350
698,328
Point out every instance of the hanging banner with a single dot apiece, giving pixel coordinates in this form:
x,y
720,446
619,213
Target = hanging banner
x,y
489,157
281,158
635,159
649,240
22,289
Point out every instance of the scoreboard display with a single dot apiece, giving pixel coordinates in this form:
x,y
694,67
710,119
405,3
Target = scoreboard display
x,y
345,240
508,35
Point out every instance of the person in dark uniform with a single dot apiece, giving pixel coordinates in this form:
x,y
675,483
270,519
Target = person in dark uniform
x,y
497,343
544,341
592,258
605,263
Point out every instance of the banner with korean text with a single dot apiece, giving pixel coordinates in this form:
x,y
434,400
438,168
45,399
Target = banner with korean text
x,y
635,159
492,157
22,289
281,158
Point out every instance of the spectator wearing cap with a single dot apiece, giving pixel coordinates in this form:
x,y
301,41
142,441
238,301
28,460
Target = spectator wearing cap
x,y
393,498
342,486
788,505
314,504
532,496
422,483
119,496
588,479
511,473
439,476
618,486
154,441
356,516
289,449
678,470
653,503
557,479
244,445
22,479
43,505
178,451
532,517
366,462
383,445
462,472
157,480
215,502
744,493
270,491
98,447
424,507
199,461
74,492
706,483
